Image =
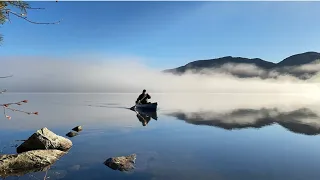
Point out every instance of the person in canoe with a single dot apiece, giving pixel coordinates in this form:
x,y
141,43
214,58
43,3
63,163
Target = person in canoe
x,y
143,98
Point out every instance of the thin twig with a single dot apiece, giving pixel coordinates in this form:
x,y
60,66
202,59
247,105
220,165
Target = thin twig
x,y
15,103
33,8
9,11
6,76
6,106
33,22
12,109
24,6
3,91
8,18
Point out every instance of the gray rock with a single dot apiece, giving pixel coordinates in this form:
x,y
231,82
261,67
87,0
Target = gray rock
x,y
71,134
123,163
45,139
27,162
78,128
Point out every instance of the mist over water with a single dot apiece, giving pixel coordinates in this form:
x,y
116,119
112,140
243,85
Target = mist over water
x,y
98,74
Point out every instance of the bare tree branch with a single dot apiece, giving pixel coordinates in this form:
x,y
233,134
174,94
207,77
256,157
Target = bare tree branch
x,y
3,91
6,76
15,103
22,5
6,10
7,106
33,22
19,4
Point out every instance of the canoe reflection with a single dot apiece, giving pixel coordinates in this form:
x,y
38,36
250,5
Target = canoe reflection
x,y
144,116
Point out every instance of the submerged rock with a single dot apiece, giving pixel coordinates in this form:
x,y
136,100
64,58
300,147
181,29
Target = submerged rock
x,y
27,162
74,168
71,134
78,128
123,163
147,160
45,139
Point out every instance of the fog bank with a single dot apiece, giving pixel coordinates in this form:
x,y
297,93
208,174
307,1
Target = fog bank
x,y
98,74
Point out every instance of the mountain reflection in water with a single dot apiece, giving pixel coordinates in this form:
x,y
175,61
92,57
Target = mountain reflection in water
x,y
303,120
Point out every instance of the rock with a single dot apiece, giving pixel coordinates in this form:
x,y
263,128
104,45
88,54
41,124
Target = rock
x,y
45,139
78,128
71,134
30,161
123,163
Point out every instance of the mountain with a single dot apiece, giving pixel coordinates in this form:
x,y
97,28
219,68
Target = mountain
x,y
287,66
299,59
212,63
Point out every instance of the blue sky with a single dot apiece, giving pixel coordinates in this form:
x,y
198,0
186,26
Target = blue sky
x,y
166,34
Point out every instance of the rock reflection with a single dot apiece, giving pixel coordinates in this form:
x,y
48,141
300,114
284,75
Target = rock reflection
x,y
302,121
28,162
19,173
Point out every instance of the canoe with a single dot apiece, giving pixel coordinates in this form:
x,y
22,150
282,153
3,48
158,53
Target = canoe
x,y
149,106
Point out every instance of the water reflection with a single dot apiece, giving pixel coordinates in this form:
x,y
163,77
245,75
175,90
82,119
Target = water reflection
x,y
144,116
303,120
171,149
30,163
19,172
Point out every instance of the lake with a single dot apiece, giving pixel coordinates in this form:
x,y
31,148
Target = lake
x,y
194,136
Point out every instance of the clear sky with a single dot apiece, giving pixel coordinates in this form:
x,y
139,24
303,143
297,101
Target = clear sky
x,y
167,34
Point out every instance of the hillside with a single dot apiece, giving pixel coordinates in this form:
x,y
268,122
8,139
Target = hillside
x,y
299,59
287,66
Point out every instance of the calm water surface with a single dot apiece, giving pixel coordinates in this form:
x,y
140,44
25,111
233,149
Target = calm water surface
x,y
207,136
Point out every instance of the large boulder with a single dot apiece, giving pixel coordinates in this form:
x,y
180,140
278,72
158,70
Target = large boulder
x,y
27,162
45,139
122,163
